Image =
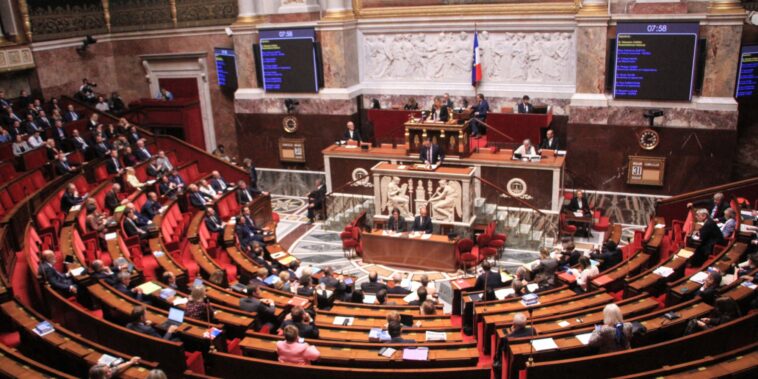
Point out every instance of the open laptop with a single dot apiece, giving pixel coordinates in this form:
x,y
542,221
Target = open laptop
x,y
175,317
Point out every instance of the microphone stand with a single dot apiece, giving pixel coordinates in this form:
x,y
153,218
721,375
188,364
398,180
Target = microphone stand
x,y
530,361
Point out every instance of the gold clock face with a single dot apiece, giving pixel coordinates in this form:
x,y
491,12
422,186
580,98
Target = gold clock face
x,y
289,124
649,139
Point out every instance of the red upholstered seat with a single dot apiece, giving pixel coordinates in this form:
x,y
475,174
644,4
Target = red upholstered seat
x,y
566,229
467,255
195,361
600,222
487,252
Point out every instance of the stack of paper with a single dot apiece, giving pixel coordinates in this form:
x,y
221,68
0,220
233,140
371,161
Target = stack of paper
x,y
377,334
584,338
531,287
149,287
109,360
77,271
684,253
416,354
544,344
387,352
663,271
180,301
432,336
369,299
111,236
44,328
502,293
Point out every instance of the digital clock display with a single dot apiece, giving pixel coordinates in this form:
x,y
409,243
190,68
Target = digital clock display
x,y
655,61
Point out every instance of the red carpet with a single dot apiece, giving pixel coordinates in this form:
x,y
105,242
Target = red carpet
x,y
481,143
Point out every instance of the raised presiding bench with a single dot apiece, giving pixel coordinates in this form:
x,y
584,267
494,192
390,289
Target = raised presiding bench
x,y
428,252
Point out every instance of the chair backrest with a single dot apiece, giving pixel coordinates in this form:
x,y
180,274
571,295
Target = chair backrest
x,y
465,245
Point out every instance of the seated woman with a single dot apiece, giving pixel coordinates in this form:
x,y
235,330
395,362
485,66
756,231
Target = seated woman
x,y
709,290
614,334
291,350
197,307
206,188
130,178
20,146
585,273
725,309
96,220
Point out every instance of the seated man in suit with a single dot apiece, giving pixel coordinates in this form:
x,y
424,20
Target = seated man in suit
x,y
517,330
177,179
152,206
198,199
58,281
397,288
70,198
141,152
715,207
111,198
70,114
396,222
102,272
247,231
122,285
113,164
212,222
245,194
609,257
303,322
488,279
316,200
439,112
395,330
431,153
167,188
131,228
62,167
550,142
422,293
101,147
526,149
524,106
479,116
579,203
708,235
78,143
155,169
351,134
264,309
140,324
422,222
328,279
218,183
373,285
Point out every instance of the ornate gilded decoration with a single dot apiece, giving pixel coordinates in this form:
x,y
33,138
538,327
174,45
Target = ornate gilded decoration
x,y
174,18
725,7
25,21
440,8
65,18
133,15
107,14
16,59
193,13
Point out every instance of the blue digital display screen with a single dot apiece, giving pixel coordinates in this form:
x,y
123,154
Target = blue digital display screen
x,y
226,68
747,74
655,61
288,60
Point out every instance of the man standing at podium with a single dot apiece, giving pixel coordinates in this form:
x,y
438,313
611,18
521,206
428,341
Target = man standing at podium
x,y
479,115
524,106
422,222
431,153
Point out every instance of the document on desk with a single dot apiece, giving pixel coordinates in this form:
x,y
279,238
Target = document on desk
x,y
684,253
544,344
531,287
563,323
432,336
426,236
341,320
416,354
149,287
111,236
699,277
369,299
663,271
503,293
584,338
578,214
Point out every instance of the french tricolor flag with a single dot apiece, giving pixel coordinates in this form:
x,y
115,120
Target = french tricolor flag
x,y
476,67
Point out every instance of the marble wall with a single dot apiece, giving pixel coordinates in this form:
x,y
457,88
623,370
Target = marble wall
x,y
339,51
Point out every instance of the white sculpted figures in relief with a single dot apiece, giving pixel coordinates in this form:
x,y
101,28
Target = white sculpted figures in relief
x,y
395,195
508,57
446,201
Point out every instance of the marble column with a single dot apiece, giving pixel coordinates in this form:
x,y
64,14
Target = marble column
x,y
591,45
339,10
723,31
246,12
339,43
245,34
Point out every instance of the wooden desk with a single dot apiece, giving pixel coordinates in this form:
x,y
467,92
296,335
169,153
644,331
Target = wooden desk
x,y
459,286
435,253
15,365
452,137
653,283
613,278
356,334
684,288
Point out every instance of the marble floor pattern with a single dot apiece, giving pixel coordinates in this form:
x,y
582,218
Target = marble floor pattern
x,y
319,247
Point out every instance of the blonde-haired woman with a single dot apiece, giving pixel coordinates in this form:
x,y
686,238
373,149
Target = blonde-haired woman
x,y
196,307
614,334
130,178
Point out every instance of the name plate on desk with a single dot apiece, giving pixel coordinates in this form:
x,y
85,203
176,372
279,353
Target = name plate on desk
x,y
647,171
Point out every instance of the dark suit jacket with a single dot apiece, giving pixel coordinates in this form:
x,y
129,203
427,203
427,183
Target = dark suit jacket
x,y
60,168
198,200
305,330
710,204
216,185
610,258
150,208
141,154
113,166
356,136
317,196
437,154
481,110
153,171
264,313
146,329
492,279
523,108
56,135
396,225
444,115
68,116
710,233
213,224
130,160
68,201
253,176
101,150
44,123
57,280
423,226
111,200
372,287
397,290
131,228
548,145
400,340
242,198
574,205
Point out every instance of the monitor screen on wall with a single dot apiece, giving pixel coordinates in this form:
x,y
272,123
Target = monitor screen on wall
x,y
655,60
226,68
747,74
288,60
